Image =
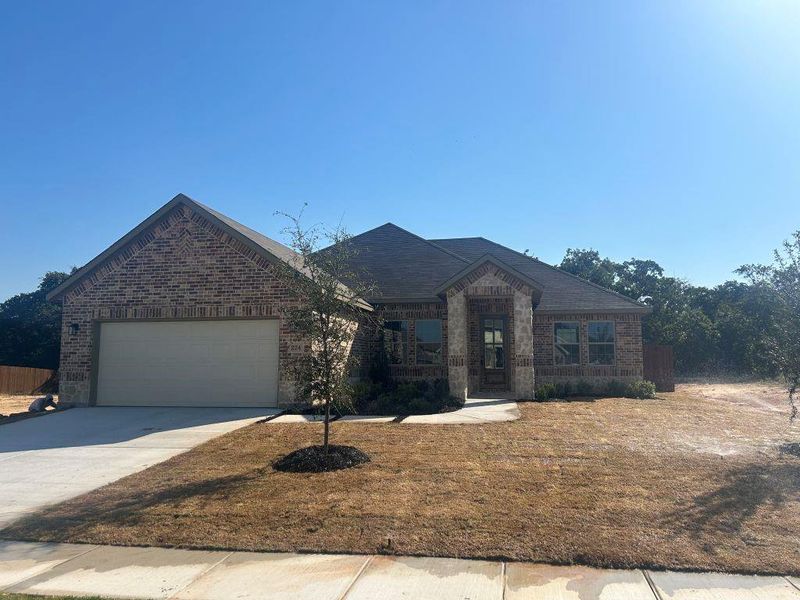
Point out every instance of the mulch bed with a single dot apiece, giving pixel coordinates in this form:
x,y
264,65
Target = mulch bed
x,y
682,482
314,459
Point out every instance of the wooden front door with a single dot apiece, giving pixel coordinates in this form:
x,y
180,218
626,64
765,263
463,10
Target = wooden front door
x,y
494,361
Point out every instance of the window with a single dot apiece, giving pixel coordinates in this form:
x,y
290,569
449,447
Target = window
x,y
601,343
493,350
395,340
567,344
429,341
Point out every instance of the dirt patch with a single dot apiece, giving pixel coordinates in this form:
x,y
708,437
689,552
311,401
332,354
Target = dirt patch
x,y
754,395
609,483
13,404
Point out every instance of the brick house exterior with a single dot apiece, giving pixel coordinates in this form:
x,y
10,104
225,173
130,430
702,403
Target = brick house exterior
x,y
183,267
456,305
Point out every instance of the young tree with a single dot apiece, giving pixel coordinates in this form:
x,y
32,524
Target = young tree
x,y
782,279
329,311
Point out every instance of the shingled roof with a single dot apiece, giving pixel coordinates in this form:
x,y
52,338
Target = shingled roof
x,y
406,267
562,291
402,265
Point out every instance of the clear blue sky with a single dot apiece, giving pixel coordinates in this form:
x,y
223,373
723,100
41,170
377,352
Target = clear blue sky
x,y
664,130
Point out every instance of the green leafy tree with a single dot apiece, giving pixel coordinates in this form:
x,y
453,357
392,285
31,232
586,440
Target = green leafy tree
x,y
744,316
782,280
588,265
30,326
328,312
719,329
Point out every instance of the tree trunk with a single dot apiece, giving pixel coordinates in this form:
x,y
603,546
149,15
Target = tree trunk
x,y
327,424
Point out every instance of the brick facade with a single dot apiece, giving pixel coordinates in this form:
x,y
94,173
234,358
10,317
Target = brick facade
x,y
366,339
183,267
531,359
627,348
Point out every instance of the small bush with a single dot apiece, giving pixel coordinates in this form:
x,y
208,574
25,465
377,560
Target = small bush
x,y
545,391
584,388
419,406
406,392
563,389
615,388
386,404
440,388
640,389
405,398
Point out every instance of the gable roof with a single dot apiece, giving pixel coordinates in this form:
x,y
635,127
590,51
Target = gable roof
x,y
403,265
562,291
534,285
261,244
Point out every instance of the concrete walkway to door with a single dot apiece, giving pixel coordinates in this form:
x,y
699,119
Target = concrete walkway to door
x,y
54,457
109,571
475,412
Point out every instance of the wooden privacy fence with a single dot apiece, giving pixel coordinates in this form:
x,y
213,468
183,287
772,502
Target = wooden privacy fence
x,y
658,367
27,380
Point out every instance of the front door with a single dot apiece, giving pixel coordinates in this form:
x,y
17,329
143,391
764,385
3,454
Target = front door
x,y
494,358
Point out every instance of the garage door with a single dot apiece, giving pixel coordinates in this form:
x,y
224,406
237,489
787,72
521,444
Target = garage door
x,y
188,363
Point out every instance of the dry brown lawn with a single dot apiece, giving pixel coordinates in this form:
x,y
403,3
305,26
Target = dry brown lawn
x,y
10,404
695,479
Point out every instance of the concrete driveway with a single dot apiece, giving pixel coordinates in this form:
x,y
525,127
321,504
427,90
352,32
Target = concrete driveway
x,y
48,459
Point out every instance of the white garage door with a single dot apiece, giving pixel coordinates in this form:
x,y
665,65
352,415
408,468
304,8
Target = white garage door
x,y
188,363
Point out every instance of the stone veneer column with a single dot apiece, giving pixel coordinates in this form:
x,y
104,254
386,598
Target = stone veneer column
x,y
523,351
457,343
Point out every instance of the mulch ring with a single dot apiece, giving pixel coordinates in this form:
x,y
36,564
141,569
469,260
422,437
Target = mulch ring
x,y
313,459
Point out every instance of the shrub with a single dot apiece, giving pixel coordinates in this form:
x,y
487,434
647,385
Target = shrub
x,y
379,371
545,391
584,388
411,397
361,392
615,388
386,404
440,388
406,392
563,389
362,395
419,406
640,389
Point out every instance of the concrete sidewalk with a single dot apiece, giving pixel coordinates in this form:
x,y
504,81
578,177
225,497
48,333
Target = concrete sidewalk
x,y
79,570
474,412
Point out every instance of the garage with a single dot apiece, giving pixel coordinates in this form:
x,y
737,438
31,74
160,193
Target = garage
x,y
188,363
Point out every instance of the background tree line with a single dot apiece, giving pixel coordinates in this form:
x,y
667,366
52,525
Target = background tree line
x,y
732,328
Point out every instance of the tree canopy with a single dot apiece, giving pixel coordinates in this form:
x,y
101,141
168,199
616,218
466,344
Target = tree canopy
x,y
30,326
729,328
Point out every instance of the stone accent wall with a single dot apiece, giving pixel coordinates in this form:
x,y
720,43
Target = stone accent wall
x,y
490,290
183,267
457,344
524,383
627,349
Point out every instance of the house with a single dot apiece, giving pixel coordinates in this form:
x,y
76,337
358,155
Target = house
x,y
186,310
